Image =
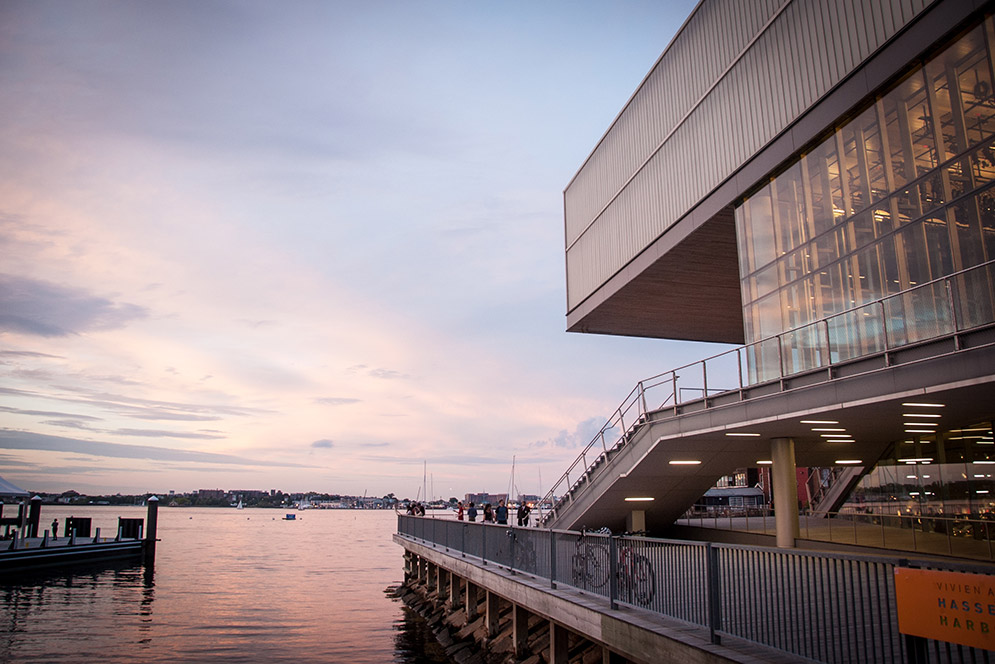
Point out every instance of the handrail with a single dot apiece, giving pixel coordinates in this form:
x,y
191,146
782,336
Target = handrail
x,y
733,590
872,528
820,347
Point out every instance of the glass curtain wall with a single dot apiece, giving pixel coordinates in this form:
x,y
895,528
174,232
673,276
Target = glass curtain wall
x,y
900,195
950,474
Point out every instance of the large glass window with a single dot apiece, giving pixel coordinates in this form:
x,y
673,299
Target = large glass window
x,y
950,474
900,195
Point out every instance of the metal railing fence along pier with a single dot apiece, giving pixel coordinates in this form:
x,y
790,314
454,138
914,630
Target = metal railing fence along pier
x,y
826,607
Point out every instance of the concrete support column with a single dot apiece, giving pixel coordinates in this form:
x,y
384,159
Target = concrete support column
x,y
784,479
519,630
635,521
491,619
557,644
442,587
471,601
609,657
455,596
432,579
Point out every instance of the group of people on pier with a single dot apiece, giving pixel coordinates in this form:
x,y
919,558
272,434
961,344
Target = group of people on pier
x,y
497,515
488,514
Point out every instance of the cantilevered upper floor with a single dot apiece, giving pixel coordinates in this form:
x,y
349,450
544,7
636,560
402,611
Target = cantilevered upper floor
x,y
742,90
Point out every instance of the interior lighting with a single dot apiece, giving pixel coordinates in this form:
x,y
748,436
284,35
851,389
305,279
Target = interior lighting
x,y
751,435
835,435
984,463
684,462
920,424
849,462
982,491
639,499
916,459
920,431
815,429
765,462
913,493
819,422
910,477
921,415
923,405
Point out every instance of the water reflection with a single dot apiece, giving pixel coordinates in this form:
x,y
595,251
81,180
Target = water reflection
x,y
414,641
237,585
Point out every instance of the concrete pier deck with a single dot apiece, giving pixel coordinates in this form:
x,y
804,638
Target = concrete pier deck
x,y
626,633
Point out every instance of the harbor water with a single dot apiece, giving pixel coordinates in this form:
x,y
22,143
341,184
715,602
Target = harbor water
x,y
227,585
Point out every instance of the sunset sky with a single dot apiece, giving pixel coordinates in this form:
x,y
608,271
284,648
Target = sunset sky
x,y
305,245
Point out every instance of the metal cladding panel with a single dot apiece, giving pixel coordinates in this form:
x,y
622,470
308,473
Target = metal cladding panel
x,y
734,78
695,59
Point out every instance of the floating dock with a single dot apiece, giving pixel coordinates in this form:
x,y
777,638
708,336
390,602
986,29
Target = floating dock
x,y
26,551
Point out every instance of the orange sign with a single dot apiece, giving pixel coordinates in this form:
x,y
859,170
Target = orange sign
x,y
946,606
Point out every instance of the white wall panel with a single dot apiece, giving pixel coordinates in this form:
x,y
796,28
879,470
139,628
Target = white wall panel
x,y
673,143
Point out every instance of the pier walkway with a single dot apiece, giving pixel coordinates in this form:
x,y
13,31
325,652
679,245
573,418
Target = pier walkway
x,y
652,600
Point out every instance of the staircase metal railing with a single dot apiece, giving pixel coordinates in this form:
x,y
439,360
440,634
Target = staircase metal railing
x,y
945,307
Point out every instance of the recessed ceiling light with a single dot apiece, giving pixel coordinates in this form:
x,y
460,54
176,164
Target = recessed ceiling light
x,y
920,431
984,463
835,435
921,424
819,422
765,462
848,462
684,462
639,499
923,405
815,429
920,415
982,491
751,435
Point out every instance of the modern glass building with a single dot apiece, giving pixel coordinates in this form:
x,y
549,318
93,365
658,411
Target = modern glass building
x,y
816,180
897,196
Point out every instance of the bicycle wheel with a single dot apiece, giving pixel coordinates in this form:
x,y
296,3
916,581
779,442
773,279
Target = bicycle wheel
x,y
597,565
642,579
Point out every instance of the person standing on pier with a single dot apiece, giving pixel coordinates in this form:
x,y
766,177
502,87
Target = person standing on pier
x,y
472,512
502,513
55,529
523,515
488,513
459,510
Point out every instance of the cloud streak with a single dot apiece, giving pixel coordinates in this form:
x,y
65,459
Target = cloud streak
x,y
24,440
35,307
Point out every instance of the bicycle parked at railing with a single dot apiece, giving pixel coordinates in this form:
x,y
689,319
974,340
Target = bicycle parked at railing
x,y
589,564
636,580
523,552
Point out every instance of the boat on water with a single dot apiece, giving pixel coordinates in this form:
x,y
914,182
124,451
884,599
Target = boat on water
x,y
240,505
290,517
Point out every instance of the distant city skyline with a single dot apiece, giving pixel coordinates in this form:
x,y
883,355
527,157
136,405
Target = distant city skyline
x,y
309,245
